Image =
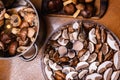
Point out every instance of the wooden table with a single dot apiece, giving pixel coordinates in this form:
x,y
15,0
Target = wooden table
x,y
16,69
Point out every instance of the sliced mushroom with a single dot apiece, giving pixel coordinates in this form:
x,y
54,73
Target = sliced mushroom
x,y
71,54
62,41
64,59
78,46
1,23
116,60
56,35
109,55
92,36
69,1
67,70
59,73
31,32
15,20
98,47
15,30
94,76
49,73
82,74
7,16
1,46
62,50
91,47
24,24
2,12
54,66
81,65
102,67
115,75
21,49
107,74
100,56
12,48
46,59
5,38
24,43
65,34
70,29
23,33
111,42
98,34
73,36
93,67
103,35
105,48
85,56
74,62
92,58
76,25
81,53
71,75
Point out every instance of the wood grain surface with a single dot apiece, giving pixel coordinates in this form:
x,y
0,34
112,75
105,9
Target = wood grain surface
x,y
16,69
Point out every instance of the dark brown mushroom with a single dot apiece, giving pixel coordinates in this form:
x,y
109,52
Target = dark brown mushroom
x,y
23,33
12,48
5,38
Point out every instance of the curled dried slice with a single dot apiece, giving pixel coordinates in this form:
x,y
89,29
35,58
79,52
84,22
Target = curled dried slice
x,y
111,42
85,56
104,66
76,25
93,67
68,69
65,34
94,76
92,36
107,74
46,59
81,53
116,60
60,74
91,47
92,58
62,41
115,75
71,75
105,48
49,73
81,65
73,36
82,74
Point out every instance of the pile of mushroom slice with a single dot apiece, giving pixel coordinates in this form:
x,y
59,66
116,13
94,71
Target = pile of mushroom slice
x,y
18,28
82,50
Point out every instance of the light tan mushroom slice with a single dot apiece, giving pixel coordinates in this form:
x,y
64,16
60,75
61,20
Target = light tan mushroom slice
x,y
79,8
15,30
93,67
81,65
92,58
81,53
78,46
92,36
100,56
71,75
116,60
62,41
68,69
49,73
94,76
73,36
71,54
82,74
112,42
76,25
105,48
98,47
65,34
62,50
107,74
102,67
85,56
21,48
98,34
54,66
91,47
46,59
56,35
31,32
115,75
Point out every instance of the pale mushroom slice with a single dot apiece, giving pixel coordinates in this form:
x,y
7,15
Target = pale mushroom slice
x,y
71,54
46,59
49,73
73,36
76,25
68,70
91,47
81,65
102,67
116,60
54,66
94,76
92,36
71,75
78,46
93,67
82,74
92,58
62,50
85,56
112,42
56,35
65,34
62,41
115,75
107,74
